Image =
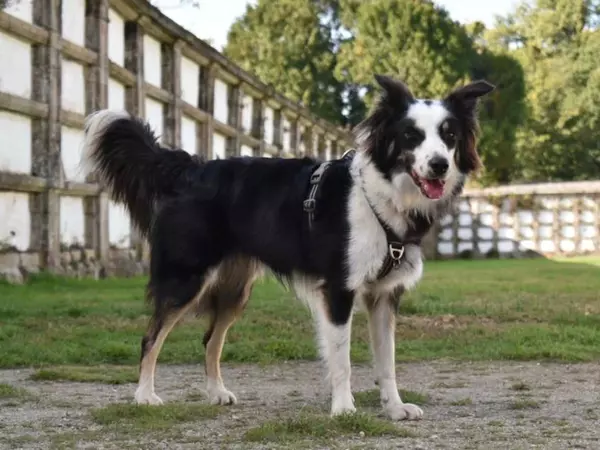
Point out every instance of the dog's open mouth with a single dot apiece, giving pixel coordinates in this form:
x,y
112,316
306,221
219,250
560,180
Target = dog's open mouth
x,y
431,188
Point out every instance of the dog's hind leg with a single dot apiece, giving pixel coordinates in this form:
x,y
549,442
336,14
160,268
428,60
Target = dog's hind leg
x,y
173,295
161,324
227,297
382,323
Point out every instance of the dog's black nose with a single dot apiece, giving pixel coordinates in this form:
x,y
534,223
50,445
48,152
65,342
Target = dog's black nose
x,y
438,166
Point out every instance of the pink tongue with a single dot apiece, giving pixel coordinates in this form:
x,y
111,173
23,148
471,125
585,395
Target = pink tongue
x,y
433,188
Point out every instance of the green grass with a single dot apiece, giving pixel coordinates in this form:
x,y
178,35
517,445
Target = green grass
x,y
92,374
524,403
145,417
9,392
466,401
520,386
323,427
371,398
476,310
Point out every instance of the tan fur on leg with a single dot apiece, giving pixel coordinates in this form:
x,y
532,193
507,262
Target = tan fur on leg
x,y
221,323
145,391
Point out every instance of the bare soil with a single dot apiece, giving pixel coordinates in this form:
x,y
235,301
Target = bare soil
x,y
471,406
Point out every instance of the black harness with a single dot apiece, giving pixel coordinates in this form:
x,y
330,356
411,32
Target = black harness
x,y
394,243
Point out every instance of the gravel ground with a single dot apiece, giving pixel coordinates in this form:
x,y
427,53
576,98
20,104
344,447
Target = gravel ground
x,y
471,406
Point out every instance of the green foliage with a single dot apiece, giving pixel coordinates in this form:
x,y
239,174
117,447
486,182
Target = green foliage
x,y
503,111
510,309
540,124
557,43
415,41
285,43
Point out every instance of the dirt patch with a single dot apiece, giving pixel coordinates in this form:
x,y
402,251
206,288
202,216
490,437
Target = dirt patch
x,y
469,406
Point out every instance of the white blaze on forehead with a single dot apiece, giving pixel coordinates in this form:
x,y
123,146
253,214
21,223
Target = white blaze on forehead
x,y
428,116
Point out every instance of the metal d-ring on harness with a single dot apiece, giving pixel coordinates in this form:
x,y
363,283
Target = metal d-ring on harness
x,y
395,246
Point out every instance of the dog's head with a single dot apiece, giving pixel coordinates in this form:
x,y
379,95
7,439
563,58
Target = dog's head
x,y
427,146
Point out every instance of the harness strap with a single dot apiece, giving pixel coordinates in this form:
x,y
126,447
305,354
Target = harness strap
x,y
395,246
310,203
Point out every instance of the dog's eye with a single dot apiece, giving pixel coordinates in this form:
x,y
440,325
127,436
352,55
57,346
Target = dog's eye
x,y
448,131
410,134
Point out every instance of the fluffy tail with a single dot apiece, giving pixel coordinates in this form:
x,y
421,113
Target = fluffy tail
x,y
124,152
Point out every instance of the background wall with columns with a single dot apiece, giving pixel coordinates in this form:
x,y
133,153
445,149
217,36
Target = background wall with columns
x,y
63,59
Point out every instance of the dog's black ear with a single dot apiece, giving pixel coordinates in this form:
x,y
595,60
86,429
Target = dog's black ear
x,y
468,95
395,91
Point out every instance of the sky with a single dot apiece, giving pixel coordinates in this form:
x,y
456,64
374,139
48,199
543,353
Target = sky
x,y
211,21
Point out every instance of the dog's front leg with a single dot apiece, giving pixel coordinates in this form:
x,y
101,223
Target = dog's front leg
x,y
334,330
382,324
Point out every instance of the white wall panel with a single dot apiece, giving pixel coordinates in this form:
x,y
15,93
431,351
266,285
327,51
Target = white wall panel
x,y
286,133
190,81
15,66
247,103
72,221
119,226
15,142
221,107
73,82
116,37
269,126
15,226
152,61
188,135
219,146
73,21
71,141
246,151
302,138
155,117
116,95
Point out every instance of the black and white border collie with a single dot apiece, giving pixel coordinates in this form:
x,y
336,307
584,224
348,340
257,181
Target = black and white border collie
x,y
214,225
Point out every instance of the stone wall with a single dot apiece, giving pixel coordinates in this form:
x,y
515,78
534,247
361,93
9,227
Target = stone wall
x,y
522,220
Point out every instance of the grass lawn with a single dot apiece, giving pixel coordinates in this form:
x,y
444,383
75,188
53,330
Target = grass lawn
x,y
477,310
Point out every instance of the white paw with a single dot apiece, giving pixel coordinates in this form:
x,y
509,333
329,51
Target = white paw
x,y
343,406
221,396
339,410
403,411
145,397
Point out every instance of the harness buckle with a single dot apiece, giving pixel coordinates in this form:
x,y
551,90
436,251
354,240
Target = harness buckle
x,y
309,204
396,250
316,177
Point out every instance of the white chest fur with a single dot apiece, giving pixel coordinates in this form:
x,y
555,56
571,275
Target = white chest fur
x,y
368,247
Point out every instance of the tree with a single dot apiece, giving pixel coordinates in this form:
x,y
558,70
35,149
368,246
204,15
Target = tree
x,y
502,112
415,41
290,44
557,42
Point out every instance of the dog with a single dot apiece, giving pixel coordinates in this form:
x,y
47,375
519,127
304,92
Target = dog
x,y
343,234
